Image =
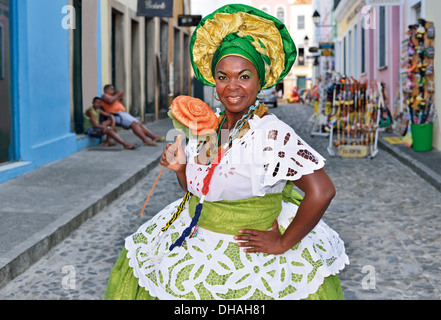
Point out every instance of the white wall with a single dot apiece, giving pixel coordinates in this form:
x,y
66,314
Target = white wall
x,y
204,7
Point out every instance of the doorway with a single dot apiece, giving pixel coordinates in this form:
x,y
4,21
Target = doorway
x,y
150,67
135,108
77,69
301,83
5,106
118,63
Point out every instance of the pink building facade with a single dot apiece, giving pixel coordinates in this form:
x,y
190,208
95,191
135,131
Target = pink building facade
x,y
384,66
368,44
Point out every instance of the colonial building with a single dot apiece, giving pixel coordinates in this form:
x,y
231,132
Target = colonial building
x,y
368,43
56,55
297,16
36,73
371,43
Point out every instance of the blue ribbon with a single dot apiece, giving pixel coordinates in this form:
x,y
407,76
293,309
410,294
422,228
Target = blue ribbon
x,y
187,231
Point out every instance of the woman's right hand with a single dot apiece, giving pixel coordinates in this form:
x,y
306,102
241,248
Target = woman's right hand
x,y
173,157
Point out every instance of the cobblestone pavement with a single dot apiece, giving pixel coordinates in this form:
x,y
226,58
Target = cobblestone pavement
x,y
387,216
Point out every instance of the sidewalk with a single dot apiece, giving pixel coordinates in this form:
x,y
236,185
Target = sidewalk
x,y
41,208
426,164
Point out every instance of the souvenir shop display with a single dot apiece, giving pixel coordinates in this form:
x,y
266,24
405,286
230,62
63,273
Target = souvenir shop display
x,y
418,87
356,117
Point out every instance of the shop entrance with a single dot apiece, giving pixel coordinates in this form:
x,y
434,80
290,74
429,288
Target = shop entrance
x,y
301,83
118,45
77,68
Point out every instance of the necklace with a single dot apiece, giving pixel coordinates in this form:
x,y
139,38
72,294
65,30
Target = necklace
x,y
237,127
155,256
206,182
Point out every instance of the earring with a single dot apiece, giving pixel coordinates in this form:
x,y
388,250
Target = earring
x,y
264,95
217,98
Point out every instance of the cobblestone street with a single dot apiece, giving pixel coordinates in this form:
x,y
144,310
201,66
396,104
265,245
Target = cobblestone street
x,y
386,214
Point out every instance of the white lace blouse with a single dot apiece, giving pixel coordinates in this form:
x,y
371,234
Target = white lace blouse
x,y
261,162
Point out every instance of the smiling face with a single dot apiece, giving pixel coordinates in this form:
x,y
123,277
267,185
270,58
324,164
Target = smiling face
x,y
237,84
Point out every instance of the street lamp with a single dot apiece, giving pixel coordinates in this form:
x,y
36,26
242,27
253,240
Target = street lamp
x,y
316,20
306,41
316,17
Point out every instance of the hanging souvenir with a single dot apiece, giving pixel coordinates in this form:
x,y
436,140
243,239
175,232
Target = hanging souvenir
x,y
422,52
431,31
422,69
429,69
410,48
421,31
411,66
431,87
430,51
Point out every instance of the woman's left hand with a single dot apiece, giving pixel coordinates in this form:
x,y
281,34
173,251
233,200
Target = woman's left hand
x,y
262,241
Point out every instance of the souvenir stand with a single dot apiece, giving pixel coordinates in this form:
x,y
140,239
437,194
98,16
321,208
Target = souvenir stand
x,y
323,101
417,78
355,118
319,118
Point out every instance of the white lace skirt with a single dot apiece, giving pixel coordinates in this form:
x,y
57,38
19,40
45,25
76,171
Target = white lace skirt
x,y
210,265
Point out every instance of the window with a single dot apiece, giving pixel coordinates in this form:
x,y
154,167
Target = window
x,y
301,83
281,14
265,9
300,22
351,55
2,48
355,51
344,56
363,52
338,57
417,11
382,38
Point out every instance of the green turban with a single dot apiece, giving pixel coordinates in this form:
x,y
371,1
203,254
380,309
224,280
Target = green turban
x,y
235,45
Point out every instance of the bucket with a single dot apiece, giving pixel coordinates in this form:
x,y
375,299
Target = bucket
x,y
422,136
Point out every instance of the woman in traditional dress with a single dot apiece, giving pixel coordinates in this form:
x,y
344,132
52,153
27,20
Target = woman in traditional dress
x,y
241,231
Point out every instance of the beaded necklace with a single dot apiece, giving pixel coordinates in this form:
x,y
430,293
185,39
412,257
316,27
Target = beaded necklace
x,y
206,187
237,127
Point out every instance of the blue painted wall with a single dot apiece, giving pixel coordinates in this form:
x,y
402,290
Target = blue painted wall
x,y
40,85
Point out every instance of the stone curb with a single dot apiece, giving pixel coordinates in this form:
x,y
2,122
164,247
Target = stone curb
x,y
419,168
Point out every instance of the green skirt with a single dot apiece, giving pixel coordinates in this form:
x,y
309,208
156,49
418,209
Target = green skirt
x,y
123,285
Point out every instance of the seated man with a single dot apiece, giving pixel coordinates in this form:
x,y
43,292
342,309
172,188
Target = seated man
x,y
112,104
93,128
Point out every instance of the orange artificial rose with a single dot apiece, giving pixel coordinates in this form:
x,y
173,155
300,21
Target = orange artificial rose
x,y
194,114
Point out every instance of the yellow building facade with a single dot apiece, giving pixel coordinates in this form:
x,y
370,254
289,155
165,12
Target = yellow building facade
x,y
147,58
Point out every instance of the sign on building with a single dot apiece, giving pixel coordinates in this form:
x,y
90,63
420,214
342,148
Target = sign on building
x,y
189,20
384,2
155,8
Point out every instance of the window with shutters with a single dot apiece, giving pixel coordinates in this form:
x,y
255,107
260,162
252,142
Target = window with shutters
x,y
382,38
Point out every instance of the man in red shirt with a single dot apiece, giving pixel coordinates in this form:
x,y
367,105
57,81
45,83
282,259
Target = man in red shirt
x,y
111,103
